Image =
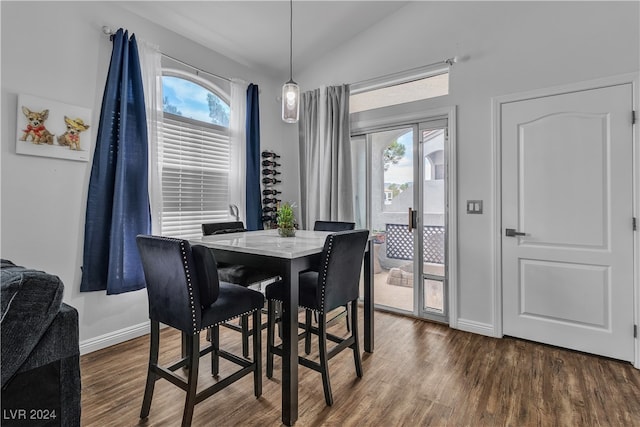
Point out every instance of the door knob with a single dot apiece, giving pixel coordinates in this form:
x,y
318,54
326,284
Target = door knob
x,y
510,232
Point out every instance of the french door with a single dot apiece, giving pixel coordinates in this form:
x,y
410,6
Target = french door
x,y
400,178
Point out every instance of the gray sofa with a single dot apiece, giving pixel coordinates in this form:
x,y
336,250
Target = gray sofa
x,y
40,350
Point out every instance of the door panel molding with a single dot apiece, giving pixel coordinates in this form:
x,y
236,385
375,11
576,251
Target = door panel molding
x,y
565,308
496,231
588,149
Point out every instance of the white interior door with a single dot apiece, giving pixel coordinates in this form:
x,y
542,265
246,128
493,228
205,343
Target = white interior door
x,y
567,176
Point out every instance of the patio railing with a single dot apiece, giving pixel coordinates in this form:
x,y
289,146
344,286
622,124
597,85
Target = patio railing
x,y
399,242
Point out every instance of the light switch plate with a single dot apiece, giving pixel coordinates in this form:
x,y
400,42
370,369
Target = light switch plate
x,y
474,206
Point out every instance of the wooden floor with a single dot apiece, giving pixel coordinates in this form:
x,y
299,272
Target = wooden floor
x,y
421,374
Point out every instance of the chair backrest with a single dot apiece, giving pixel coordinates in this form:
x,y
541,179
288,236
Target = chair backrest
x,y
333,226
222,227
341,261
180,280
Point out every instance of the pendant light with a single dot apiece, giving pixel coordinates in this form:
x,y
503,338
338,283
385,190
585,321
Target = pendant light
x,y
290,90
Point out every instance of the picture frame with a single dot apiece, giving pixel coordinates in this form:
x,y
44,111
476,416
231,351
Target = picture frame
x,y
54,129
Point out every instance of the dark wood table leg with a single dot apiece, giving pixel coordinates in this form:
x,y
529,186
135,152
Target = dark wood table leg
x,y
290,344
368,298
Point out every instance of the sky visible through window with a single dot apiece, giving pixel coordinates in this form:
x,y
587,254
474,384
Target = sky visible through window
x,y
188,99
402,172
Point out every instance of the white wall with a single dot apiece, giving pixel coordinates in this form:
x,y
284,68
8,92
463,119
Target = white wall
x,y
60,53
56,50
512,47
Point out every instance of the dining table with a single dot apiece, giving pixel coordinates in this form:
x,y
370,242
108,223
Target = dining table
x,y
287,257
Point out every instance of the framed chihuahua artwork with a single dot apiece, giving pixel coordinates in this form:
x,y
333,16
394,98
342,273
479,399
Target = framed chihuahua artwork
x,y
52,129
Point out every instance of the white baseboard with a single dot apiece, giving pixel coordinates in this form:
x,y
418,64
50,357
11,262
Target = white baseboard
x,y
115,337
476,327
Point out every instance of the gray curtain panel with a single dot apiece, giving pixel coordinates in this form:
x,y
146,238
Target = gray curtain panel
x,y
326,189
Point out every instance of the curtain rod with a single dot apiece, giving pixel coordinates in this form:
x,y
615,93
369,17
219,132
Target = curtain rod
x,y
198,70
398,77
108,31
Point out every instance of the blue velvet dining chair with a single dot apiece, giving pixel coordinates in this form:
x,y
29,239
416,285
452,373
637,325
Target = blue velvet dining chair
x,y
333,226
335,284
235,273
327,226
238,274
185,293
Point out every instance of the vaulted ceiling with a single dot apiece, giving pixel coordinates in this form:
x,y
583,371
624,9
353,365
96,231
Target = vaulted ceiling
x,y
256,33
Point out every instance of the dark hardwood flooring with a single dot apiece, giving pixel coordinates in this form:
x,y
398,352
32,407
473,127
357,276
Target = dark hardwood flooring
x,y
421,374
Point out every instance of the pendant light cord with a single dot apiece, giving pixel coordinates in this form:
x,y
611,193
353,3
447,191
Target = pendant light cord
x,y
291,40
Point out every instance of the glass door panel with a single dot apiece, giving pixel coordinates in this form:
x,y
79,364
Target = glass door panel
x,y
434,295
397,171
433,215
392,194
359,160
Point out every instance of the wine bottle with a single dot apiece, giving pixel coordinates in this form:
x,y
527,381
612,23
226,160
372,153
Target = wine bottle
x,y
266,218
270,154
271,192
270,181
268,200
270,172
269,209
270,163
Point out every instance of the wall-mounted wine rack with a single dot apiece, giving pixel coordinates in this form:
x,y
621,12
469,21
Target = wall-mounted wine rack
x,y
270,179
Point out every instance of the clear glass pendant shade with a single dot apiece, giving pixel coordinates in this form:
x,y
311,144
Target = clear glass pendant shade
x,y
290,102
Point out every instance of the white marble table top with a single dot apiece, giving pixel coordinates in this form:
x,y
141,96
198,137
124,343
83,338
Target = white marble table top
x,y
267,242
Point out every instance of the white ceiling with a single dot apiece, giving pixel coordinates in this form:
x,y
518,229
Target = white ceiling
x,y
256,33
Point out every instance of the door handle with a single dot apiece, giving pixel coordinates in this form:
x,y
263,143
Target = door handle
x,y
412,219
510,232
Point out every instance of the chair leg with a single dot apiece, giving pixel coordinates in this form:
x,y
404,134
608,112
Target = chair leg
x,y
257,353
354,332
346,307
271,320
245,336
277,311
153,361
183,345
193,349
307,332
214,336
324,361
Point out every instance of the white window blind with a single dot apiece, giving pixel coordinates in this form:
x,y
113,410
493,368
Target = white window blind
x,y
195,175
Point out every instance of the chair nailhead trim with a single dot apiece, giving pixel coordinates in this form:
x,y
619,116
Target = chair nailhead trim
x,y
323,284
189,286
226,320
300,306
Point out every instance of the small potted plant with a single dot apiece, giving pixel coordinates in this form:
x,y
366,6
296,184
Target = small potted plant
x,y
286,220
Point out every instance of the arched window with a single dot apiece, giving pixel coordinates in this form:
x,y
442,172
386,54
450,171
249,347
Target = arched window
x,y
195,154
194,98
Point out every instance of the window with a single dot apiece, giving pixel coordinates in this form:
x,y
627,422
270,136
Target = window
x,y
399,88
186,98
195,147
